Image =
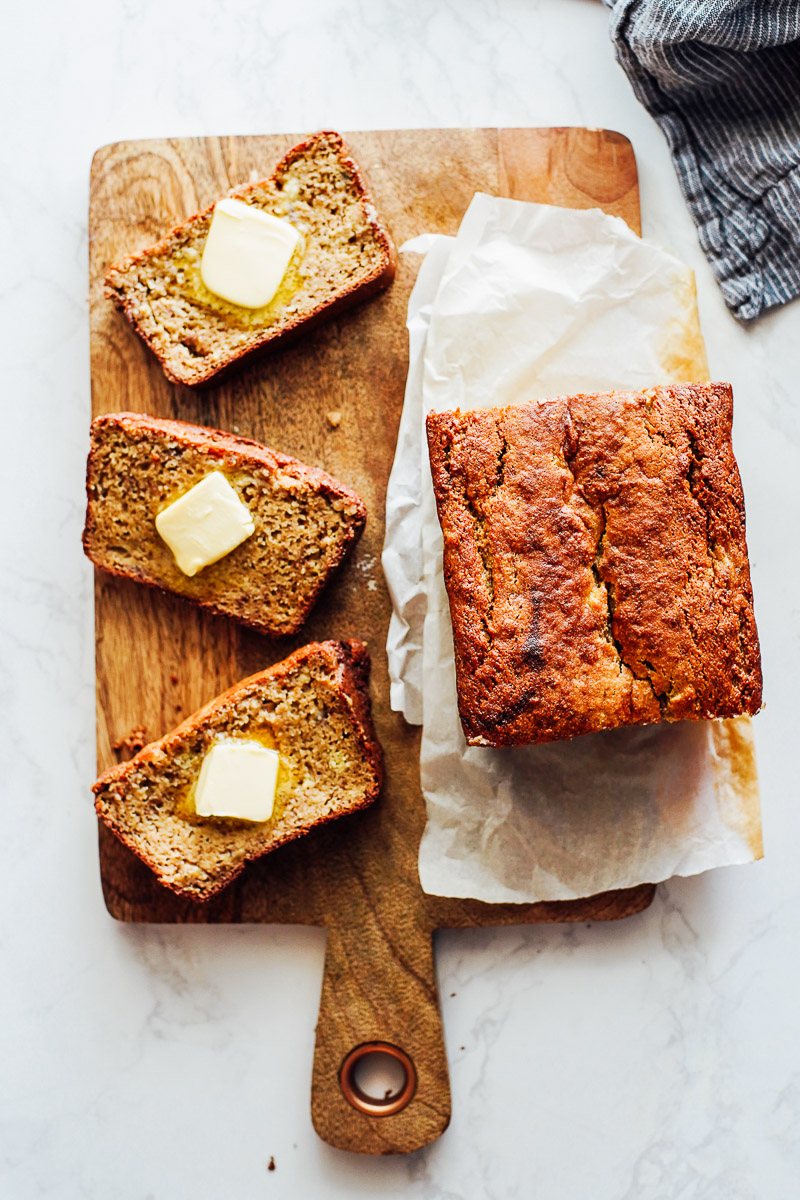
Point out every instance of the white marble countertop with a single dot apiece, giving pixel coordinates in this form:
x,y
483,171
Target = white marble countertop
x,y
649,1060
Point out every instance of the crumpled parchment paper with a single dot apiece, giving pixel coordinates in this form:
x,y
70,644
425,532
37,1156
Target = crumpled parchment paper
x,y
528,301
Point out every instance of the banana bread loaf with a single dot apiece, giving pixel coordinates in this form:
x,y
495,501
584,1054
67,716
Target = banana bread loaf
x,y
595,563
313,709
304,520
347,255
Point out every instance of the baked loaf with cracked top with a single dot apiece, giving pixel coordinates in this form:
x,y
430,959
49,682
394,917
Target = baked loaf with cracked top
x,y
347,256
305,520
595,562
313,708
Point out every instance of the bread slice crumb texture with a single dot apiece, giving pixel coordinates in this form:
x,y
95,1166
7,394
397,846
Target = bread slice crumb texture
x,y
313,708
345,255
305,520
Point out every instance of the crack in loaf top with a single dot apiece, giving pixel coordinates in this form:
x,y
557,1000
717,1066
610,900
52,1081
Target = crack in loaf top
x,y
595,562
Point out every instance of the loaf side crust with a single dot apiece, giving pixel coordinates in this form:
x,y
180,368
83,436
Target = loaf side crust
x,y
596,563
127,284
245,597
218,851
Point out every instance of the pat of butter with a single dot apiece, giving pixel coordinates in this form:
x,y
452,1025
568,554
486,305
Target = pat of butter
x,y
247,253
237,779
205,523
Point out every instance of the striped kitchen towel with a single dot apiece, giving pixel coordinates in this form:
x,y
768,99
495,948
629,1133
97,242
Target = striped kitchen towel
x,y
722,78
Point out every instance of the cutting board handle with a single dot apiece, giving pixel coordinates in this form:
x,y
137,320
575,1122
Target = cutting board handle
x,y
375,990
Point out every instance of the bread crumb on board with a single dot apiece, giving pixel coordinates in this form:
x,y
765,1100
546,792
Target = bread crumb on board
x,y
334,418
126,747
271,1163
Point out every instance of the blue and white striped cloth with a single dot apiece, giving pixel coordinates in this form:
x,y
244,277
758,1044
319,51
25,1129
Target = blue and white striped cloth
x,y
722,78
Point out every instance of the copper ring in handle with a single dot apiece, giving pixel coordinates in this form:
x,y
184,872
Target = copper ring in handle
x,y
368,1104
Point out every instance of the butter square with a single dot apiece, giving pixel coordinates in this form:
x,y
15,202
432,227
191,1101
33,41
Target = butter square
x,y
205,524
237,779
246,254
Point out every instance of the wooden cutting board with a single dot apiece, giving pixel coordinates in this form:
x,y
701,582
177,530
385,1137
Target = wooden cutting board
x,y
158,659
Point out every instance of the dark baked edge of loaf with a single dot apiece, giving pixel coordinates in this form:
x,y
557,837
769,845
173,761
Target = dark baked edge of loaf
x,y
351,663
379,279
203,437
439,426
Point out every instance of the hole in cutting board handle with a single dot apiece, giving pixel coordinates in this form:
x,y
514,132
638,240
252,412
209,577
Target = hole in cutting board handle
x,y
378,1079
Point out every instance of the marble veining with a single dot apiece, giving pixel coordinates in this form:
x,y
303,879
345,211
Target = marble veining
x,y
651,1060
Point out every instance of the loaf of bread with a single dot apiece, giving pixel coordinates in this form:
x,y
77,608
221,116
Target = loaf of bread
x,y
305,521
347,255
595,563
313,708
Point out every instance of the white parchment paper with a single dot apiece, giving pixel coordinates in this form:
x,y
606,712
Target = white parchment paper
x,y
529,301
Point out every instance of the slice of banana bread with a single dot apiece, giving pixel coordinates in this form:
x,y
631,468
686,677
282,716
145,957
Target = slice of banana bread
x,y
596,563
347,255
313,708
305,521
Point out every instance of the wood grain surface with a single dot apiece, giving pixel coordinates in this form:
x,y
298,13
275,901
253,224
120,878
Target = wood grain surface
x,y
158,659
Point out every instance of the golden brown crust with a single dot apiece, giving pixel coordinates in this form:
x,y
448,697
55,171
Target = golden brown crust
x,y
269,337
220,447
596,563
347,666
